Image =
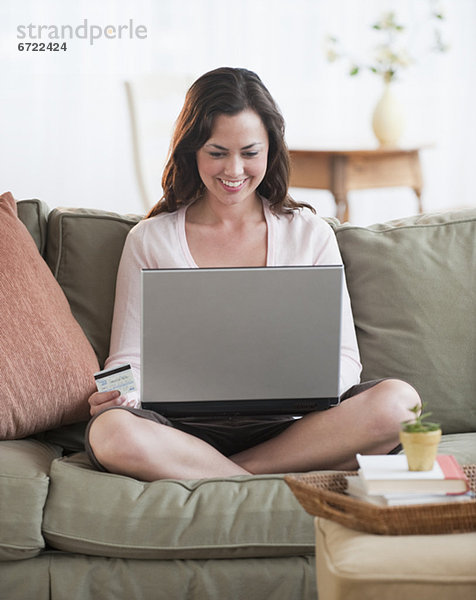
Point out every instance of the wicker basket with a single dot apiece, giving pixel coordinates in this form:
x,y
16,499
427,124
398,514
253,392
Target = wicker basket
x,y
322,495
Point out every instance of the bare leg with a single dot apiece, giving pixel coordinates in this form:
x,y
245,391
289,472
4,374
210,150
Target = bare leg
x,y
367,423
129,445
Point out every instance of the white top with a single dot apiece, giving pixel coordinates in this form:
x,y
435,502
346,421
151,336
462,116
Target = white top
x,y
301,238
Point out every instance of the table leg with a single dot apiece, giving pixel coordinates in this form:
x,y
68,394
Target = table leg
x,y
342,206
339,186
419,201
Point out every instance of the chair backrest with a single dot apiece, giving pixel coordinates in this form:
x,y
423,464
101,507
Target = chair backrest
x,y
154,102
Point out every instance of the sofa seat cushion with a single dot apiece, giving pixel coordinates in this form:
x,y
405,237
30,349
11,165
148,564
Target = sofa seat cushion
x,y
24,477
412,285
110,515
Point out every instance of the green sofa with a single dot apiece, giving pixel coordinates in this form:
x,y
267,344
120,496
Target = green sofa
x,y
68,532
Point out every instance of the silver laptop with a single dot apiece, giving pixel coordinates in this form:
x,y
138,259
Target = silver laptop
x,y
240,341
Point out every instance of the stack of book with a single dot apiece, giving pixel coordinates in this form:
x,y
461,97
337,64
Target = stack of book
x,y
386,481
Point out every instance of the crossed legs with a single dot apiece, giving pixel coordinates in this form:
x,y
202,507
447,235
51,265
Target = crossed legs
x,y
367,423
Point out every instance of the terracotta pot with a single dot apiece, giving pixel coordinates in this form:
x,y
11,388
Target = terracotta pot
x,y
420,449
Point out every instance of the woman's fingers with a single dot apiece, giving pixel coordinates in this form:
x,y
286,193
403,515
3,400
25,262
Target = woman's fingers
x,y
101,400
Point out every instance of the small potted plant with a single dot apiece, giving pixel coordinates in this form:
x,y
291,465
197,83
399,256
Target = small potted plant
x,y
396,48
420,439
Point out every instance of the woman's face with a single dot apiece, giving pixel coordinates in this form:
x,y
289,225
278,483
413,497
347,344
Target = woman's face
x,y
232,163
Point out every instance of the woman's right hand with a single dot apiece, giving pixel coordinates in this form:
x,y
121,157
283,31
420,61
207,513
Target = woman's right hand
x,y
99,401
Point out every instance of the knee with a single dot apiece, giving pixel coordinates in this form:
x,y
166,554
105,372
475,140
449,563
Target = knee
x,y
107,436
401,393
394,400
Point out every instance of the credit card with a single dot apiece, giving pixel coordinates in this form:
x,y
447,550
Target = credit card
x,y
117,378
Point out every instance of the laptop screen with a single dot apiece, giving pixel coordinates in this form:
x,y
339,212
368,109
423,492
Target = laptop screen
x,y
240,340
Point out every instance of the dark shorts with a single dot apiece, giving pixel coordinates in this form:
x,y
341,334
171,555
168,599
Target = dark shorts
x,y
229,435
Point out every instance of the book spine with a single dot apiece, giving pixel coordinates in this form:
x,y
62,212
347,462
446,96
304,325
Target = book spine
x,y
451,468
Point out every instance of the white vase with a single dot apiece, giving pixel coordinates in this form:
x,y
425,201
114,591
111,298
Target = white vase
x,y
388,121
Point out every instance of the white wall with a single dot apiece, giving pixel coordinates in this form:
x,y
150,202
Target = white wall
x,y
64,124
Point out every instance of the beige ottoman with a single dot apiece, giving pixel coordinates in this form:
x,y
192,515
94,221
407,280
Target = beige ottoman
x,y
359,566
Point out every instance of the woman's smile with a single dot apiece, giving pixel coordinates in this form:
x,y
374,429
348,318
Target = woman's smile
x,y
233,162
232,186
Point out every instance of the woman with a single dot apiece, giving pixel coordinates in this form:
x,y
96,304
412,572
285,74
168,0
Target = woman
x,y
226,204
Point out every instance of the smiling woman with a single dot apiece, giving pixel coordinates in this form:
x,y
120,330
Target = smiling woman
x,y
226,204
226,225
218,99
233,162
227,154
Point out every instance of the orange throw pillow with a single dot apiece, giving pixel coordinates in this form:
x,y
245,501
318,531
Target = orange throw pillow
x,y
46,361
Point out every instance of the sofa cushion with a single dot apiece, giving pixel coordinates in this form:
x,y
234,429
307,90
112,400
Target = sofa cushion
x,y
46,363
34,215
83,251
214,518
24,469
413,290
461,445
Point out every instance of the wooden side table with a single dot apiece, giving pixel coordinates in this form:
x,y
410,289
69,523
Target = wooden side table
x,y
341,171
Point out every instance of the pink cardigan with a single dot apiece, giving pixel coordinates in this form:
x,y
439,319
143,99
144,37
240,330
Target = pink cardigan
x,y
160,242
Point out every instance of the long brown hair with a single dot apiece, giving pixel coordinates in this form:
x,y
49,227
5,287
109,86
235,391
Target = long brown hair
x,y
224,91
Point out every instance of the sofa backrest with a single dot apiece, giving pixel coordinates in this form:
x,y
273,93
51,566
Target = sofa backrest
x,y
412,285
34,214
82,248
